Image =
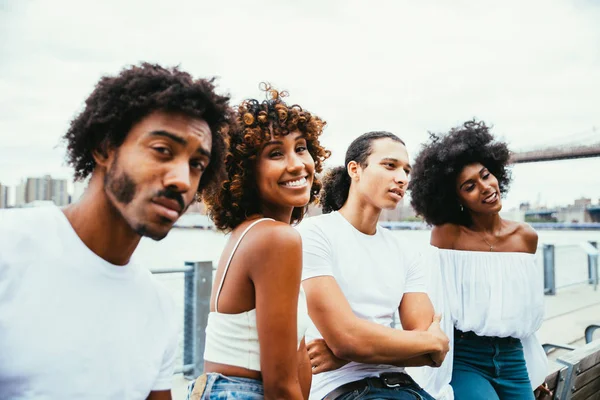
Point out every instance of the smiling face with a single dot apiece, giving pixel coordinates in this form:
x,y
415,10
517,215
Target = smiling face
x,y
478,190
153,176
284,174
383,180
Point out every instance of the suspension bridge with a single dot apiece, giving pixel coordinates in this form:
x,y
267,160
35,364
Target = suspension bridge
x,y
581,145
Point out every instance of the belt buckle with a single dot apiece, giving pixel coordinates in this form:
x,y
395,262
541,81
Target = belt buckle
x,y
392,379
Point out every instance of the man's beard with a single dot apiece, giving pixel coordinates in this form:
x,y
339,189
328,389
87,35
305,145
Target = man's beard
x,y
123,188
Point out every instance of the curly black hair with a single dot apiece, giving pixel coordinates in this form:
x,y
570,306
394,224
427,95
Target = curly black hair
x,y
255,123
436,168
119,102
336,182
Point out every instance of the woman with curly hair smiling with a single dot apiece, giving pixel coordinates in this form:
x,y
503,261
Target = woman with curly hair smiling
x,y
255,334
491,281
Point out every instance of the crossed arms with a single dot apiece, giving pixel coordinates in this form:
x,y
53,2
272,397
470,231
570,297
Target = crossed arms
x,y
351,338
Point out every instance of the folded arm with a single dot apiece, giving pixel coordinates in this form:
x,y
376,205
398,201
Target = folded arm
x,y
352,338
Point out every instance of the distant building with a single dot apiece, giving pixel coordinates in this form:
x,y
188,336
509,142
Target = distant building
x,y
581,211
541,215
524,207
582,202
573,214
20,194
577,212
4,191
46,189
59,193
37,189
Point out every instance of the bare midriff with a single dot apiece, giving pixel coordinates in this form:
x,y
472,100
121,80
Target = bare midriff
x,y
231,370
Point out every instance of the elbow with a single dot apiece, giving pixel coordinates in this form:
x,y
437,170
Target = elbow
x,y
281,383
281,390
351,348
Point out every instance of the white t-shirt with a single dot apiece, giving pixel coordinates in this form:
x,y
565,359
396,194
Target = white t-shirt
x,y
373,272
73,326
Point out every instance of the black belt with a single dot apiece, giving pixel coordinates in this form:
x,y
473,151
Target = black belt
x,y
385,380
490,339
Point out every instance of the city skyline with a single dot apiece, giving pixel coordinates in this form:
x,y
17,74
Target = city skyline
x,y
39,188
35,188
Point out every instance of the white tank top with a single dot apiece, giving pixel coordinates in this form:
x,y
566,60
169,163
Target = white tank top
x,y
232,339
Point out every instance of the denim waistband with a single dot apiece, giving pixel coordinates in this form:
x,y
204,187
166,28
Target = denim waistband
x,y
222,383
487,339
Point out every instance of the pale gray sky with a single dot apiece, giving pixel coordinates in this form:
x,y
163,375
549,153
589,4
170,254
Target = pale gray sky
x,y
531,68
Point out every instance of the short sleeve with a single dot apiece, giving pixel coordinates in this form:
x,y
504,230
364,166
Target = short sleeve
x,y
416,276
167,368
317,259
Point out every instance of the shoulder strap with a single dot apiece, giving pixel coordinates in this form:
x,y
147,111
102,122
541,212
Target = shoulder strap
x,y
231,257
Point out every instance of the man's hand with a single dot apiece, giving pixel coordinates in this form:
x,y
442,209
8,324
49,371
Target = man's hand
x,y
322,358
435,329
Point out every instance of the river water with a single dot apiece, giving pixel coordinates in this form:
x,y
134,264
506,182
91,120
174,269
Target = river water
x,y
183,245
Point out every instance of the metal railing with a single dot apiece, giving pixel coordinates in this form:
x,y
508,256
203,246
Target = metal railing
x,y
197,285
549,259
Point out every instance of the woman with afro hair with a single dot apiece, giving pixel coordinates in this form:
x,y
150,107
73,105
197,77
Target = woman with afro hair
x,y
491,286
255,335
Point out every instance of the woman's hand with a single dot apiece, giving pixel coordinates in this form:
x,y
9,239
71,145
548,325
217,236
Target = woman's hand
x,y
542,392
322,358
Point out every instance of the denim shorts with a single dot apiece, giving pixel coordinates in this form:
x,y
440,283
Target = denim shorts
x,y
221,387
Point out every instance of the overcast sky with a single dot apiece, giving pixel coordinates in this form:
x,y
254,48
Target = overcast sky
x,y
531,68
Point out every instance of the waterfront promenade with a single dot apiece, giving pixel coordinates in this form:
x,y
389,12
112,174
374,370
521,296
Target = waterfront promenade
x,y
567,313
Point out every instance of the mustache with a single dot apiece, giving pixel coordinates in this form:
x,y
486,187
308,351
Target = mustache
x,y
173,195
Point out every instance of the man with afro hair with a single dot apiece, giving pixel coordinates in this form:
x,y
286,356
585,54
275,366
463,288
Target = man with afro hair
x,y
79,318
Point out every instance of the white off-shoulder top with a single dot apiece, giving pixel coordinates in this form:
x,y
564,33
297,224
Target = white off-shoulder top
x,y
492,294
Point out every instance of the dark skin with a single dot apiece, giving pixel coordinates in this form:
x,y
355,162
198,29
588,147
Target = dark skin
x,y
479,194
346,337
141,188
265,271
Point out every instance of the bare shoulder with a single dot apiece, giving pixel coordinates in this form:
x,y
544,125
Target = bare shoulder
x,y
444,236
269,240
274,249
528,235
268,234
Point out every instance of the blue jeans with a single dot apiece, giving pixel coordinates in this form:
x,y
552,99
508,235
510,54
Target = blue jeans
x,y
489,368
221,387
405,392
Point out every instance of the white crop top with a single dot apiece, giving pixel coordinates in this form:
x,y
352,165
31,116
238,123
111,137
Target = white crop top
x,y
232,339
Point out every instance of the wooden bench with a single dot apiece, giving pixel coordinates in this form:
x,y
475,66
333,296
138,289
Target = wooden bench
x,y
556,379
576,375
